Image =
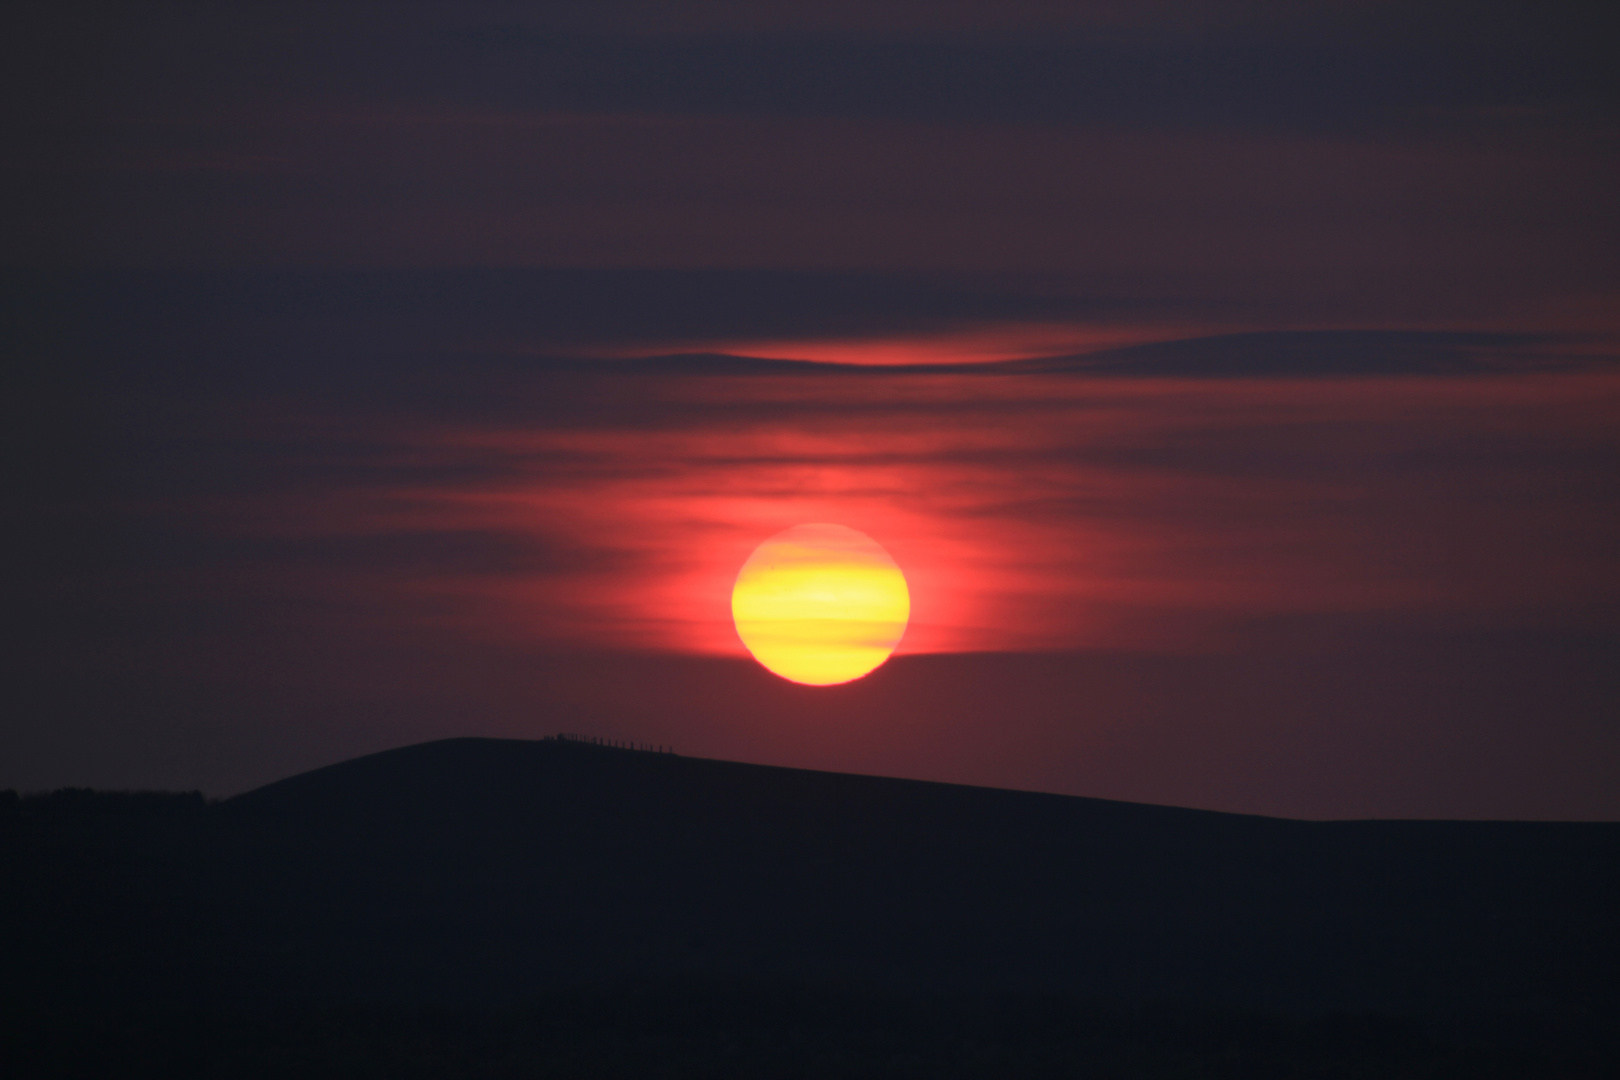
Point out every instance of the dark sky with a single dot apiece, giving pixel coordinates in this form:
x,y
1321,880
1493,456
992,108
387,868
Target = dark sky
x,y
1235,385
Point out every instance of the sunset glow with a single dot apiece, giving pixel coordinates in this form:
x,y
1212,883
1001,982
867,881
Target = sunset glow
x,y
820,604
1224,399
1113,513
960,345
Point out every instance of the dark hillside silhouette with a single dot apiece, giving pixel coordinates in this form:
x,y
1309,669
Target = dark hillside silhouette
x,y
488,870
493,874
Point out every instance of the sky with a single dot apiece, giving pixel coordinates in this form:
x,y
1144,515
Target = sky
x,y
1234,384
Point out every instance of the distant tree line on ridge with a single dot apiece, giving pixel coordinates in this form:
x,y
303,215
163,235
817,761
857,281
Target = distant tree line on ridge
x,y
608,744
77,803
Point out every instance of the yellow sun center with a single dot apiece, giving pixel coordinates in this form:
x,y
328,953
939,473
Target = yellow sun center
x,y
820,604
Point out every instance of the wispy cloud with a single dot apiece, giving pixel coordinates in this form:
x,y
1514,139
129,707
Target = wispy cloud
x,y
1029,512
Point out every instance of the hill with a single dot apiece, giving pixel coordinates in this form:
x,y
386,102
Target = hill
x,y
490,871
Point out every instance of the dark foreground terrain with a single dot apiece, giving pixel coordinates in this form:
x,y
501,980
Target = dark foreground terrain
x,y
490,907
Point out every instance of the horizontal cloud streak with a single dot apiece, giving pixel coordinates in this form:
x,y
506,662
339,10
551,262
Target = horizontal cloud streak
x,y
1030,512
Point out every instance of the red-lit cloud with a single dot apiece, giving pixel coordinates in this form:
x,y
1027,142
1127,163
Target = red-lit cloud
x,y
1028,513
971,344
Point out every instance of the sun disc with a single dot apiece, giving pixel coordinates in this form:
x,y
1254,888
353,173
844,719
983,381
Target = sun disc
x,y
820,604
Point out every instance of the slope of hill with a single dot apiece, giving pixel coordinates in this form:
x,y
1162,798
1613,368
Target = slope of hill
x,y
478,870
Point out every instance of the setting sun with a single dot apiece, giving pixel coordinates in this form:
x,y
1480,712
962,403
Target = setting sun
x,y
820,604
